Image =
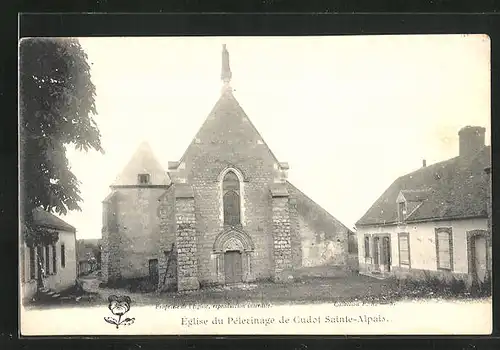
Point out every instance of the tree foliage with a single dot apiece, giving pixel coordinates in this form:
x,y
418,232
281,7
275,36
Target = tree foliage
x,y
56,105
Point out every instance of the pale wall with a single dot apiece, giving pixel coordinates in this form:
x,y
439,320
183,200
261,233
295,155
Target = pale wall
x,y
64,277
319,252
139,230
422,242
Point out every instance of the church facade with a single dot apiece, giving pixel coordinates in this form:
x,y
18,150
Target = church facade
x,y
224,213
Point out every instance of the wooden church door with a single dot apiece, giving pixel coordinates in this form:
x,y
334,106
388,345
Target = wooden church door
x,y
233,267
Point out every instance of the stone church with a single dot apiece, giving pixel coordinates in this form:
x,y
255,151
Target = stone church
x,y
224,213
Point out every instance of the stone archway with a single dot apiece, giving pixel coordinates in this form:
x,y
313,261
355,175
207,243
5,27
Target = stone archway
x,y
233,251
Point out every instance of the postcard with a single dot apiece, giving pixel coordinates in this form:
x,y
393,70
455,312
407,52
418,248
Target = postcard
x,y
334,185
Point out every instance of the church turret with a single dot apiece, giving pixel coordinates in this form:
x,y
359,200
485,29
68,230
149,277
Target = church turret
x,y
131,221
143,169
226,73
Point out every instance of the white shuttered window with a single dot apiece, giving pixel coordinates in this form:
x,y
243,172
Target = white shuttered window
x,y
444,248
404,249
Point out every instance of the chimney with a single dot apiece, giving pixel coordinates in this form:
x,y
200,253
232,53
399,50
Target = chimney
x,y
471,140
424,163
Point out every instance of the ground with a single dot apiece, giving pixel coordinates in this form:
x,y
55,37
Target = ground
x,y
329,288
311,285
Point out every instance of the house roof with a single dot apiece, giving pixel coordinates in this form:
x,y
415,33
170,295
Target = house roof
x,y
452,189
415,195
142,162
45,219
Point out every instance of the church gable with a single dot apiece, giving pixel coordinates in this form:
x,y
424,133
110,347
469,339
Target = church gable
x,y
227,138
224,213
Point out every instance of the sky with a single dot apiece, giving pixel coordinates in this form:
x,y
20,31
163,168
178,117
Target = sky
x,y
349,114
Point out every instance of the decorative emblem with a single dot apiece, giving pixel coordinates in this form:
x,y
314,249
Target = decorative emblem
x,y
119,306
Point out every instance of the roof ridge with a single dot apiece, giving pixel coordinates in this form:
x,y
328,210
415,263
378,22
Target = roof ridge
x,y
58,224
426,168
447,182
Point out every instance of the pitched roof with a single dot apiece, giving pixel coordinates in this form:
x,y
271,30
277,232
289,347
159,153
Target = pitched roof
x,y
142,162
226,121
316,216
455,188
415,195
45,219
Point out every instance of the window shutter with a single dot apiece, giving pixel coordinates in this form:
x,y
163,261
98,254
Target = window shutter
x,y
54,259
404,249
32,263
47,259
367,247
444,249
63,256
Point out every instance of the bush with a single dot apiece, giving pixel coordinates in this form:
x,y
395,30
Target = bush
x,y
482,289
431,285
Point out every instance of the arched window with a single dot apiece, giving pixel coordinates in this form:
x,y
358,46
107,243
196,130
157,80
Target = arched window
x,y
231,199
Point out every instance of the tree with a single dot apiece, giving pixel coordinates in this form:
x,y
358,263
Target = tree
x,y
56,107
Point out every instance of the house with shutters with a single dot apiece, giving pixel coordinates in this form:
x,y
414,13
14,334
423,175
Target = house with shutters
x,y
58,261
224,213
435,220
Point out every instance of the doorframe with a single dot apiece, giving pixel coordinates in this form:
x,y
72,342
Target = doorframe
x,y
380,237
471,236
157,268
241,257
233,239
389,252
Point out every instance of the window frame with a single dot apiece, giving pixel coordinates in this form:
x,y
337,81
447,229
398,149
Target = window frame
x,y
407,235
402,208
449,231
237,198
47,259
54,259
32,263
366,242
63,256
146,176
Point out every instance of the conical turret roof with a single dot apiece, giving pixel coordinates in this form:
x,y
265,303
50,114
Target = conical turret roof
x,y
142,162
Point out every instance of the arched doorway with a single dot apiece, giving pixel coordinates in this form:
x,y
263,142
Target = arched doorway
x,y
233,250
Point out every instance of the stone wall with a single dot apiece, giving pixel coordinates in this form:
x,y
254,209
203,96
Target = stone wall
x,y
110,263
295,234
281,235
187,257
228,139
137,237
323,239
168,227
